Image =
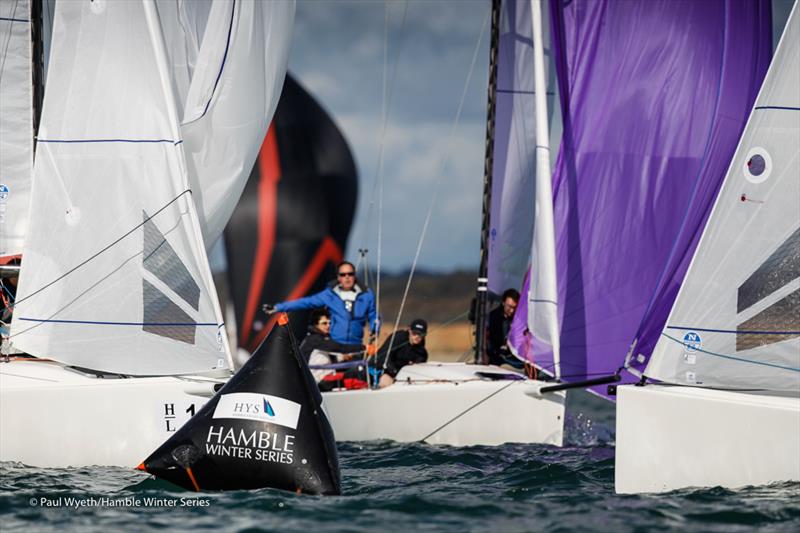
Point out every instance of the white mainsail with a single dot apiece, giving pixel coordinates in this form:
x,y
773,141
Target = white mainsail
x,y
515,165
16,123
228,62
736,321
115,275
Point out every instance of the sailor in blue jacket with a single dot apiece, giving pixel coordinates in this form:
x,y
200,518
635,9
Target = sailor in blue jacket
x,y
350,306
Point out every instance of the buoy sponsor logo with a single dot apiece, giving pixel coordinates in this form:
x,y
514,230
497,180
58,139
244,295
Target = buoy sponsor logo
x,y
258,407
267,446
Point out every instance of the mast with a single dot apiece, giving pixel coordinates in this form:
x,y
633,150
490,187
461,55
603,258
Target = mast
x,y
37,65
481,309
543,291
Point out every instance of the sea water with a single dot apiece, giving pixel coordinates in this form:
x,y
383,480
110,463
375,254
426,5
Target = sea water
x,y
406,487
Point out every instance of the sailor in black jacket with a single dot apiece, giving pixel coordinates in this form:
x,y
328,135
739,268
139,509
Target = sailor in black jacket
x,y
408,348
318,348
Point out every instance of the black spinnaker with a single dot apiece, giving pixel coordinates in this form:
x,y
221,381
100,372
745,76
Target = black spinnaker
x,y
291,224
264,428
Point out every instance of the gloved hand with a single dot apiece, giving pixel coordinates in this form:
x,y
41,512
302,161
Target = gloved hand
x,y
268,309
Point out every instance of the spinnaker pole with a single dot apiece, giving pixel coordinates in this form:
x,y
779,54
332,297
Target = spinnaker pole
x,y
481,298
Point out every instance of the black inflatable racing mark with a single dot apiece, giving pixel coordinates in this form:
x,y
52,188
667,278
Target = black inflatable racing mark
x,y
264,428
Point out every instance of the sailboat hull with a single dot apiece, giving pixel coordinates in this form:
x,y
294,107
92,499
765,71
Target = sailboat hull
x,y
51,416
55,417
671,437
447,403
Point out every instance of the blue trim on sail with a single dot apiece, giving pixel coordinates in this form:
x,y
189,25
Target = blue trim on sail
x,y
15,20
221,67
513,91
739,359
139,324
783,108
739,332
76,141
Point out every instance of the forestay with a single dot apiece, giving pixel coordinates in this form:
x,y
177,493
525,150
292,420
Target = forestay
x,y
736,321
228,63
115,276
16,123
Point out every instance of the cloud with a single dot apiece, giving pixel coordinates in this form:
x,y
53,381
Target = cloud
x,y
338,55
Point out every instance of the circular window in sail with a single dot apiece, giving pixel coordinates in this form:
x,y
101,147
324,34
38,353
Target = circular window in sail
x,y
757,165
72,216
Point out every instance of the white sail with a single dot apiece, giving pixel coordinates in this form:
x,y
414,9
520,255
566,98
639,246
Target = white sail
x,y
115,275
228,62
514,167
736,321
542,296
16,123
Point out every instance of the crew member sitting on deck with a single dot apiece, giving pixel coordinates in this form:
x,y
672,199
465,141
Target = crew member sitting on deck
x,y
318,348
8,292
408,348
499,324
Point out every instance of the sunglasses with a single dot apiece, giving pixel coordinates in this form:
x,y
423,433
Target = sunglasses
x,y
346,274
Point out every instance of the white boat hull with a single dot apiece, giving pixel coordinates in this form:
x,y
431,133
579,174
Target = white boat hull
x,y
675,437
446,403
51,416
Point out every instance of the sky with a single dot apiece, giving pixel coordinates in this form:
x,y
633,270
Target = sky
x,y
338,55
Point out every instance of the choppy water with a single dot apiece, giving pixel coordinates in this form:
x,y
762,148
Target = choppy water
x,y
402,487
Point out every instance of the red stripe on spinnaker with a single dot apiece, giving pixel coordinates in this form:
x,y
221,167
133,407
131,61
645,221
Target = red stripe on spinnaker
x,y
269,167
6,259
328,251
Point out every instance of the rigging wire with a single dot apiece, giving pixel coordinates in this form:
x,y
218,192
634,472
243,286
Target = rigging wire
x,y
384,121
106,248
388,106
438,182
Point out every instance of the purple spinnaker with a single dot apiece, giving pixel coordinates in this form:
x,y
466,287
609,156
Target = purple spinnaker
x,y
654,97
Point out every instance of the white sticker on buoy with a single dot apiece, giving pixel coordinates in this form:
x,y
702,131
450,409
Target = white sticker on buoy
x,y
259,407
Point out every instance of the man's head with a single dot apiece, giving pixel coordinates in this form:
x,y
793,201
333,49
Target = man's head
x,y
346,275
321,319
417,331
510,302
